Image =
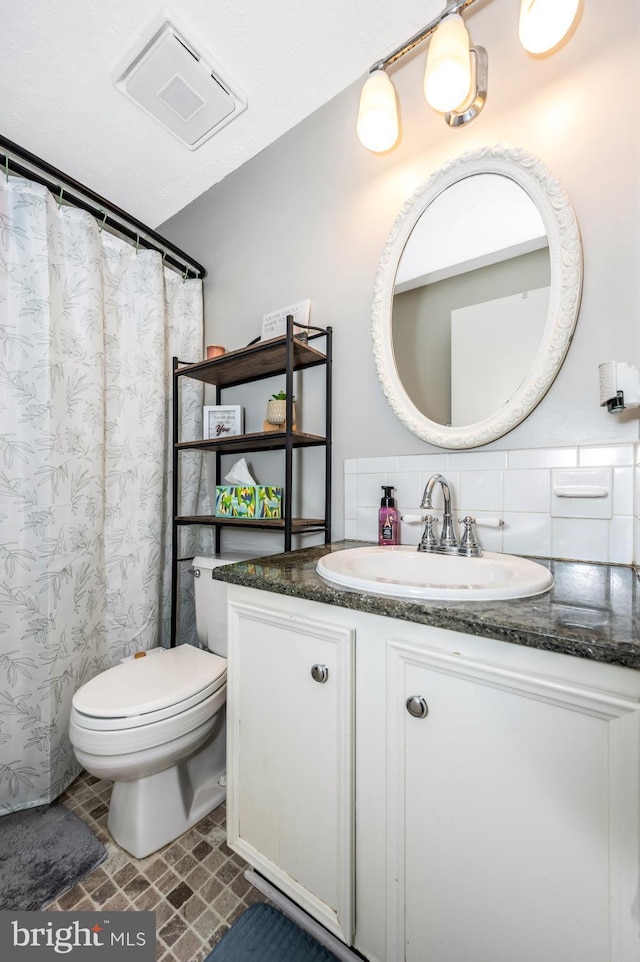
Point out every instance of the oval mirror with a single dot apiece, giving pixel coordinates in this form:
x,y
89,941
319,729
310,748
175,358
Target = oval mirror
x,y
477,297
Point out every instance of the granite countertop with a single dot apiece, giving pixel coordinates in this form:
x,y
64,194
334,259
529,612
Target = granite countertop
x,y
593,610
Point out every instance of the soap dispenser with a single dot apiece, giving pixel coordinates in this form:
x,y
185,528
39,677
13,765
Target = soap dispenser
x,y
388,531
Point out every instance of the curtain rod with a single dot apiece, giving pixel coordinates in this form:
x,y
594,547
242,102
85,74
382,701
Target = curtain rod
x,y
17,160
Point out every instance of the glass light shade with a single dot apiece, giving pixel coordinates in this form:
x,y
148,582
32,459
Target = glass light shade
x,y
378,114
447,78
543,23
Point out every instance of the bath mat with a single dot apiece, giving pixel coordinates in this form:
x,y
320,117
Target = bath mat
x,y
44,851
263,934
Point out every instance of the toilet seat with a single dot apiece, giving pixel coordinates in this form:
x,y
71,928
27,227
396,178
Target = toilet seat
x,y
144,691
155,734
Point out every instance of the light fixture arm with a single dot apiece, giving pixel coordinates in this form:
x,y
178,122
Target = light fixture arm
x,y
478,96
455,7
456,75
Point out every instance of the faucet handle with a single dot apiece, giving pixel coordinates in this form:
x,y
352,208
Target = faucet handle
x,y
468,544
428,539
489,522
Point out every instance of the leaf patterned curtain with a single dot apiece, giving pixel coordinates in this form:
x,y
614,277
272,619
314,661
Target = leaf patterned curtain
x,y
88,328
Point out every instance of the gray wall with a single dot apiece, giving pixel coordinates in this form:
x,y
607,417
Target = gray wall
x,y
310,215
422,324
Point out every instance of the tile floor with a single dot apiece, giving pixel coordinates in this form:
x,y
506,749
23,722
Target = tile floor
x,y
195,885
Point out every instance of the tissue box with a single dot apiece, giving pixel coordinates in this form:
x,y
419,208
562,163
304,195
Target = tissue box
x,y
235,501
252,502
269,501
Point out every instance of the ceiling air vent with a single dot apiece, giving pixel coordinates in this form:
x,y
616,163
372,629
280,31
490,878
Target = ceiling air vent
x,y
173,83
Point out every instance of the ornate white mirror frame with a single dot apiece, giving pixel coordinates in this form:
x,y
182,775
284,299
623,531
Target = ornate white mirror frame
x,y
565,257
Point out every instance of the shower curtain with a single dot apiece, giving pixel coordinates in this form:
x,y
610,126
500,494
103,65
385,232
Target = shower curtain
x,y
88,327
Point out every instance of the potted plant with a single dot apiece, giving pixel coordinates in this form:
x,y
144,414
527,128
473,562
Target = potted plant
x,y
277,408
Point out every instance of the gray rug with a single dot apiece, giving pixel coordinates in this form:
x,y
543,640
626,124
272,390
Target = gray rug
x,y
43,852
263,934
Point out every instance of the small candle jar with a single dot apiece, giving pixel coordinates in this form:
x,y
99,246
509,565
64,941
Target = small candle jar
x,y
214,350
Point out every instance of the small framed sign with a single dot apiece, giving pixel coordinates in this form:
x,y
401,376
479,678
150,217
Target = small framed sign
x,y
222,421
275,324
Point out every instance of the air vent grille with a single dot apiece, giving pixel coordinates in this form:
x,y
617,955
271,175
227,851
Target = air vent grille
x,y
174,84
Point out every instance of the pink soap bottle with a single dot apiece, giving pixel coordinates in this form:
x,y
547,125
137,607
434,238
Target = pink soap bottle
x,y
388,521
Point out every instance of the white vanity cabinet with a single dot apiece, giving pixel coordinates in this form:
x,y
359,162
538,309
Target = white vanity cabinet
x,y
290,758
498,820
508,819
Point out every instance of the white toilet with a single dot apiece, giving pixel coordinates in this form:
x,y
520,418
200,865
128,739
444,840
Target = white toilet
x,y
155,726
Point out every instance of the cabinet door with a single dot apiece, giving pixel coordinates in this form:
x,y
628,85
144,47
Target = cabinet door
x,y
291,759
513,816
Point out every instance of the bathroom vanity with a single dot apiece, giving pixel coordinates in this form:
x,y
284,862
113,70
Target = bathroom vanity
x,y
440,781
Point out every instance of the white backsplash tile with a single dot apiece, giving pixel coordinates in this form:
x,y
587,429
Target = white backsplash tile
x,y
480,491
527,490
407,488
621,541
351,530
429,463
623,479
371,465
580,539
350,497
518,486
543,458
367,524
527,534
369,487
608,454
478,460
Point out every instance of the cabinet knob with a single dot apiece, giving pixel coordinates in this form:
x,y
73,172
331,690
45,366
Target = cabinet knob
x,y
320,673
417,706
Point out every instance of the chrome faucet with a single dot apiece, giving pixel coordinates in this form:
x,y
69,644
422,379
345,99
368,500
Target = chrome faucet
x,y
447,542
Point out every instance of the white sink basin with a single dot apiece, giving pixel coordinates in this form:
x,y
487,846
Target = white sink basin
x,y
405,572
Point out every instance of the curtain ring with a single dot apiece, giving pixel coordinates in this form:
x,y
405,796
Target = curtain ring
x,y
185,275
60,197
6,166
137,243
104,219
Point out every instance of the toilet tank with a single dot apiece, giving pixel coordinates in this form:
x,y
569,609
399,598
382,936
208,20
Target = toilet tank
x,y
211,602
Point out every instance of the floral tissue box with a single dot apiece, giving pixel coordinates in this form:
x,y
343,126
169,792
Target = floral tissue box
x,y
253,502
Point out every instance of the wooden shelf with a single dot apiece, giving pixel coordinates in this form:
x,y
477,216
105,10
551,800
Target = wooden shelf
x,y
253,363
277,524
262,441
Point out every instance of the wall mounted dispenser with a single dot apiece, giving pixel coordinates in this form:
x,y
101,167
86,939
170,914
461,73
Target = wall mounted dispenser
x,y
619,386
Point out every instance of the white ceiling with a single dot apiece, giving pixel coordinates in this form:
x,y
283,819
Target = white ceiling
x,y
57,98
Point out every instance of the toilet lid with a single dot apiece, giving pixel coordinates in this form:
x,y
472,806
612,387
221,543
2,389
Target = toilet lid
x,y
152,684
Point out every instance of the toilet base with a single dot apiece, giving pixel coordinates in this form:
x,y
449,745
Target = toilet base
x,y
147,813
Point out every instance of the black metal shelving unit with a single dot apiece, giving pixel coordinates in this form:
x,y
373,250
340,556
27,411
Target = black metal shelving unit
x,y
264,359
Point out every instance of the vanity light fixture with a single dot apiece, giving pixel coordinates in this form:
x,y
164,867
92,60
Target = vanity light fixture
x,y
455,82
447,79
544,23
378,115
